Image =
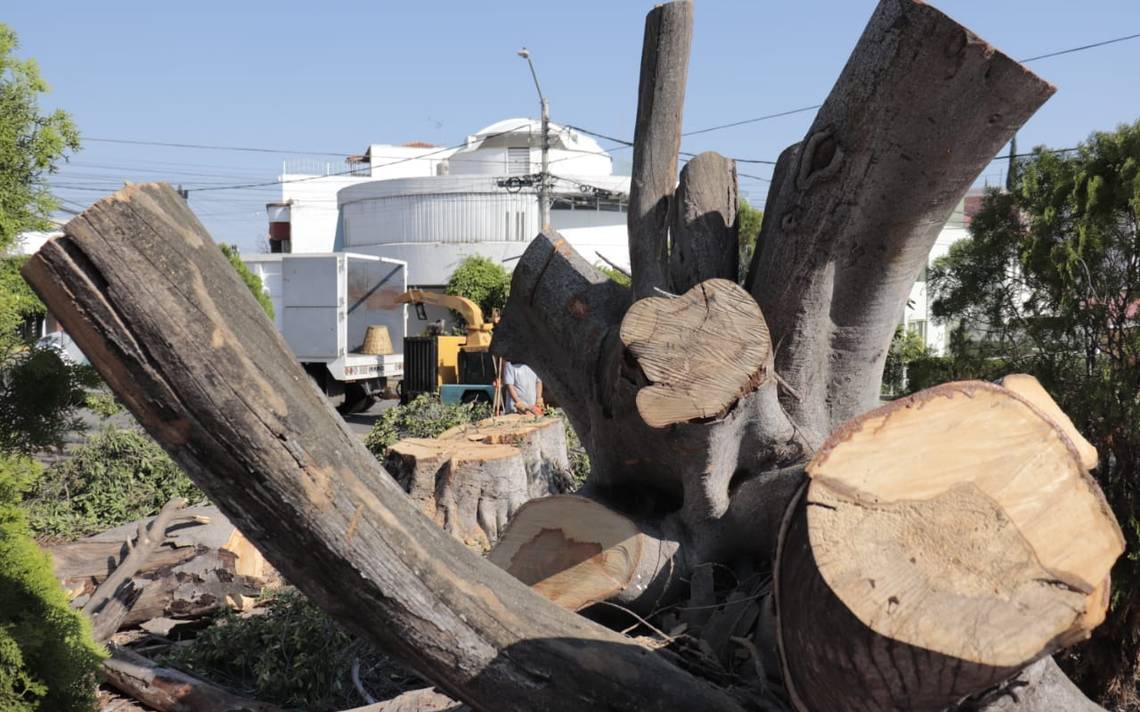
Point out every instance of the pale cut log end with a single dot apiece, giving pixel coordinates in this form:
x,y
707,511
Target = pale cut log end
x,y
1031,390
575,551
961,520
701,351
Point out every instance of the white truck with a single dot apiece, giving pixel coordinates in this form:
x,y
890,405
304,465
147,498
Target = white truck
x,y
324,304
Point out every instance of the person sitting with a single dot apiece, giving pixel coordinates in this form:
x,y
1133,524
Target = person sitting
x,y
524,388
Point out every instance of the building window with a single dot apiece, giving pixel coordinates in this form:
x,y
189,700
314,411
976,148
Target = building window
x,y
518,161
918,326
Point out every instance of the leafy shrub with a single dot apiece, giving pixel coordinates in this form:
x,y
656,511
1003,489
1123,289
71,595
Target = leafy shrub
x,y
252,281
103,403
481,280
424,417
48,660
117,476
39,396
292,655
579,458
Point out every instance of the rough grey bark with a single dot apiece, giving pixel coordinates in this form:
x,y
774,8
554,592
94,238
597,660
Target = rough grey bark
x,y
920,109
703,227
656,140
139,285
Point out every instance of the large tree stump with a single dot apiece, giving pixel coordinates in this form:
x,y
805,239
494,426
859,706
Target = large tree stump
x,y
470,489
542,442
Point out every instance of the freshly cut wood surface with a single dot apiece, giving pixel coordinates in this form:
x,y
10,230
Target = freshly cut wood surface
x,y
1031,390
570,549
701,351
961,520
541,440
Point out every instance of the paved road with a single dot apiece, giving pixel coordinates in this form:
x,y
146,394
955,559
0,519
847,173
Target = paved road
x,y
360,423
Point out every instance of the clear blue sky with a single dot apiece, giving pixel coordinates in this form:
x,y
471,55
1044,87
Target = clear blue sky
x,y
294,76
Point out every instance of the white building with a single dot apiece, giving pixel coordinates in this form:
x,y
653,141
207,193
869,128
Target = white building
x,y
432,206
917,316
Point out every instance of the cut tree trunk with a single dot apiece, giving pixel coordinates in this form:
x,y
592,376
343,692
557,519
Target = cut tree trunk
x,y
657,138
577,552
162,316
469,488
920,109
976,548
703,228
542,442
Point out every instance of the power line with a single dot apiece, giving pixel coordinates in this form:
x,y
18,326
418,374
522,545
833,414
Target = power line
x,y
354,170
211,147
1081,48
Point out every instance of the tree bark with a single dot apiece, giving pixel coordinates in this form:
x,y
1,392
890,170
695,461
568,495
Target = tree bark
x,y
920,109
704,227
656,140
139,285
169,690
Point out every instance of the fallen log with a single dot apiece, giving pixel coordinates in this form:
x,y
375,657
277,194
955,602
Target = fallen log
x,y
82,565
170,690
426,700
577,552
978,547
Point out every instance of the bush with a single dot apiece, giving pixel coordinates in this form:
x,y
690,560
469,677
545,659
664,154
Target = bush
x,y
252,281
579,458
39,396
424,417
483,281
292,655
118,476
48,660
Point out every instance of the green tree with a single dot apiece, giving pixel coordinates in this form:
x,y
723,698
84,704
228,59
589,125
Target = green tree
x,y
906,347
47,658
252,281
1049,284
749,219
31,143
481,280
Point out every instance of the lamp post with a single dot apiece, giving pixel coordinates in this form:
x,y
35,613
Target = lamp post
x,y
544,176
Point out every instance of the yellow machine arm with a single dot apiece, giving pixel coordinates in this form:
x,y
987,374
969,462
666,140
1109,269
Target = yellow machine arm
x,y
478,331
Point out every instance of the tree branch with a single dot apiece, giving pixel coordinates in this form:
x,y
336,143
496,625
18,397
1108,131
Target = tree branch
x,y
919,110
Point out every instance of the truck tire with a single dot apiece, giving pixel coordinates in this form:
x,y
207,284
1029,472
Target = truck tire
x,y
356,399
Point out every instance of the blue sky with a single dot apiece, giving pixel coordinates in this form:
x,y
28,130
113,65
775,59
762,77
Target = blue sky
x,y
333,79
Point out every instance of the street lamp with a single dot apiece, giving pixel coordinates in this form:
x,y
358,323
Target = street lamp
x,y
543,191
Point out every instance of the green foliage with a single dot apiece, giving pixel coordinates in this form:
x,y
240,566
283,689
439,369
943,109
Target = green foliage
x,y
750,219
117,476
31,143
39,396
1049,284
617,276
579,458
102,403
48,660
906,347
424,417
252,281
292,655
481,280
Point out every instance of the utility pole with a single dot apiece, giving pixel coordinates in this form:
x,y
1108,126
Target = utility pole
x,y
544,175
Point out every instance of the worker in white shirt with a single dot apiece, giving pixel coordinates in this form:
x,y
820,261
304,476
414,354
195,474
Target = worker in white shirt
x,y
524,387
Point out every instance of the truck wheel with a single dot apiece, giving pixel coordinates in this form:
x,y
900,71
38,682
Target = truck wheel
x,y
356,399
